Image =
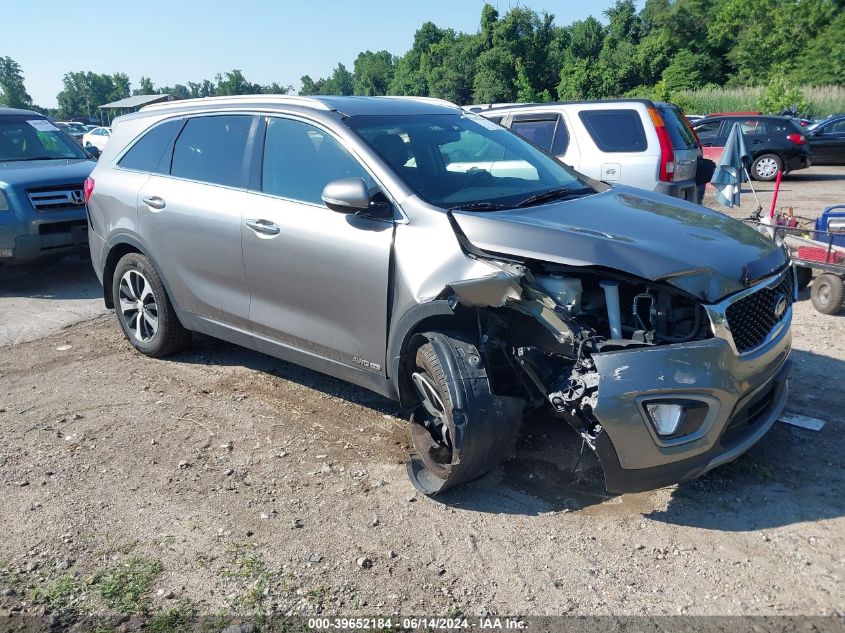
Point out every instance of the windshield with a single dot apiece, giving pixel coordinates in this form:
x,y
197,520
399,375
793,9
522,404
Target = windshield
x,y
464,160
30,138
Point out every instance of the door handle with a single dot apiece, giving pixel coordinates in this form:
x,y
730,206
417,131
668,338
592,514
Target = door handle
x,y
756,142
264,226
707,144
154,202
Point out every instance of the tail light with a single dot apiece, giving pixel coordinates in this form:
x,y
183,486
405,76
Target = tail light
x,y
667,153
88,188
798,139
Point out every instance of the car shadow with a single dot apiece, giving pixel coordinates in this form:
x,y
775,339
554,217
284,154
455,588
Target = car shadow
x,y
791,475
71,277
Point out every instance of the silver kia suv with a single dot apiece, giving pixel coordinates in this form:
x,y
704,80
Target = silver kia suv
x,y
432,256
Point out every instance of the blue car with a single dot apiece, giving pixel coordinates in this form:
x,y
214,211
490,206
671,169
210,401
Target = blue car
x,y
42,190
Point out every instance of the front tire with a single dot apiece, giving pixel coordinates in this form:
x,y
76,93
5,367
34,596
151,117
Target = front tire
x,y
828,293
143,308
461,429
766,167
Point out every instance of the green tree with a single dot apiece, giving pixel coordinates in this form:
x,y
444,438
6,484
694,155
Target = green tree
x,y
145,87
780,94
233,82
83,92
688,70
373,73
822,63
12,90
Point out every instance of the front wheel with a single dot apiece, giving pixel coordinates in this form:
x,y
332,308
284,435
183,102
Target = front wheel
x,y
143,308
461,429
828,293
766,167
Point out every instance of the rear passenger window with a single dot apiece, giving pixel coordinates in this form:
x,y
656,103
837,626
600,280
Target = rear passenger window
x,y
212,149
708,130
752,127
615,130
541,133
147,153
300,160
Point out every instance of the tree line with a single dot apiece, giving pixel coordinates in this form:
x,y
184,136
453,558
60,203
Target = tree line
x,y
666,47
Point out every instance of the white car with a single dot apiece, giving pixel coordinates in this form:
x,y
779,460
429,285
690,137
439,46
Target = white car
x,y
98,137
634,142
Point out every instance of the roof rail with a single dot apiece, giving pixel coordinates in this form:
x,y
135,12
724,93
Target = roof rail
x,y
431,100
259,98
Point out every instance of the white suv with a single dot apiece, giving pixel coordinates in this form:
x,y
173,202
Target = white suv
x,y
633,142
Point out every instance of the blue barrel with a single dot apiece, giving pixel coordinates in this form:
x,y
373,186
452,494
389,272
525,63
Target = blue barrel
x,y
831,221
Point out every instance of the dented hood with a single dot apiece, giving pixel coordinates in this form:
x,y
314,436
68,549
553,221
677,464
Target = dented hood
x,y
651,236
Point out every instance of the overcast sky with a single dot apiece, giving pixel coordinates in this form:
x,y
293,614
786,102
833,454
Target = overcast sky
x,y
176,41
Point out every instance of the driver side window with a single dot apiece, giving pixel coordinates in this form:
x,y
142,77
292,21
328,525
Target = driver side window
x,y
301,159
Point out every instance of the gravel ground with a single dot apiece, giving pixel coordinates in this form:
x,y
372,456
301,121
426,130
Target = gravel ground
x,y
225,481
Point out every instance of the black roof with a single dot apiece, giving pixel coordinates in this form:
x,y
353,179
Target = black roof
x,y
18,111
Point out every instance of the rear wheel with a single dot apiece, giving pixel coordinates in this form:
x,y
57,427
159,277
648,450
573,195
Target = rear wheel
x,y
143,308
804,276
460,430
828,293
766,167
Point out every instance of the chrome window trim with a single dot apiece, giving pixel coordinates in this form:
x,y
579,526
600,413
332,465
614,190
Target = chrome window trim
x,y
717,312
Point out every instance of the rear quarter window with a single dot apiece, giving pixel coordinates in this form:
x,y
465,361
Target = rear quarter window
x,y
147,154
615,130
212,149
680,133
541,133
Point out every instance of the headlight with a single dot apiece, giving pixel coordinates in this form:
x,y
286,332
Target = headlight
x,y
676,418
4,204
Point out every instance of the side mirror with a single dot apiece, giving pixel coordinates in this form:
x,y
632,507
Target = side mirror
x,y
94,151
348,195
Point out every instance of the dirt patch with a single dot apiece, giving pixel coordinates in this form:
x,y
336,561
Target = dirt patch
x,y
258,485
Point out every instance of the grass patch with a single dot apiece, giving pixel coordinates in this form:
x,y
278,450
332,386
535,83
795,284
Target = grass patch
x,y
181,618
57,595
821,100
126,588
316,594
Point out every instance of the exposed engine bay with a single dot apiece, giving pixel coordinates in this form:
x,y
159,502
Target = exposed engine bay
x,y
582,313
539,327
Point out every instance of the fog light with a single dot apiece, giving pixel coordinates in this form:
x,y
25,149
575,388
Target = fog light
x,y
665,417
676,418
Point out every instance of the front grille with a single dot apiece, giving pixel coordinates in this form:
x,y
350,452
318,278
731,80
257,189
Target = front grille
x,y
60,227
751,318
57,197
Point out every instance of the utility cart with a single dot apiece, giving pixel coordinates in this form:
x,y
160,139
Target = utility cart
x,y
814,245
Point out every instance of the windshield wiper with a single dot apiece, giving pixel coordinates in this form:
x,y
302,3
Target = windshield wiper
x,y
555,194
18,160
477,206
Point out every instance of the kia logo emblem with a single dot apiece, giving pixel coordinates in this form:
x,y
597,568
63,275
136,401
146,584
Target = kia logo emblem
x,y
77,196
780,305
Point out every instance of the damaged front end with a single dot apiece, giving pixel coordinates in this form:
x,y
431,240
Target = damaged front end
x,y
634,366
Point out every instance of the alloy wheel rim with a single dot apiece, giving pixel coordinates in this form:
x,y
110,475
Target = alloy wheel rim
x,y
767,167
436,420
138,307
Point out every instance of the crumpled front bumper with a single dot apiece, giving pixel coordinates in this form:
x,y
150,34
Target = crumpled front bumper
x,y
748,393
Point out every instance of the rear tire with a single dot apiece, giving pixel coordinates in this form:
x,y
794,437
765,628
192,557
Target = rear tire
x,y
828,293
804,276
461,430
766,167
143,308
